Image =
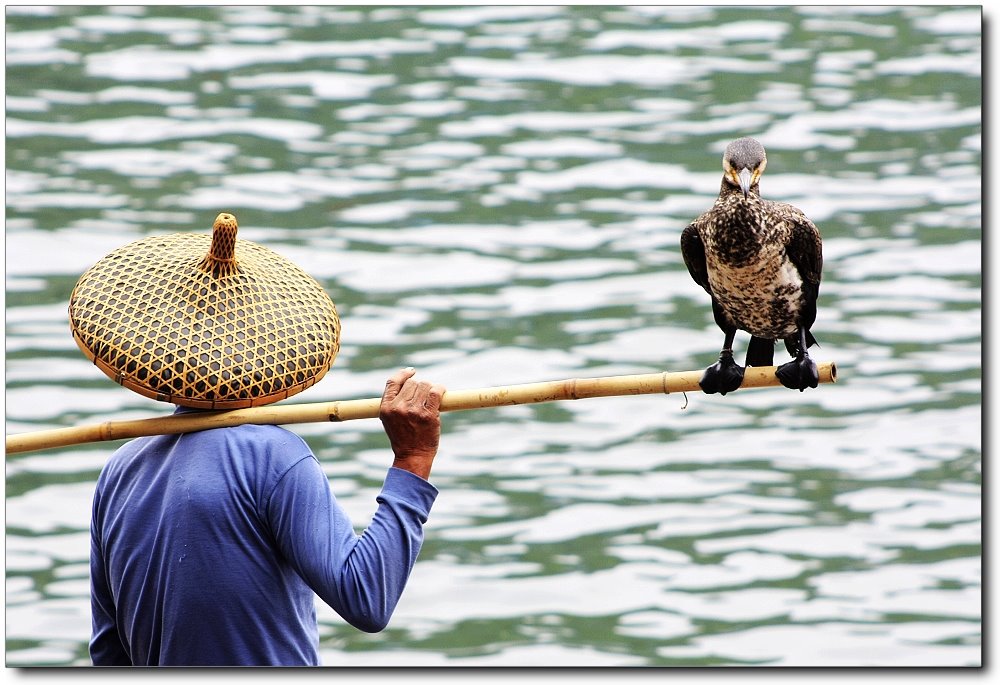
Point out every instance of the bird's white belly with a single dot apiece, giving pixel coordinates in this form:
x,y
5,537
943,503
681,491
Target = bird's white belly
x,y
763,298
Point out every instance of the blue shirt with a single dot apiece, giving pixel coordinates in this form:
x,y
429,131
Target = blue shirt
x,y
207,548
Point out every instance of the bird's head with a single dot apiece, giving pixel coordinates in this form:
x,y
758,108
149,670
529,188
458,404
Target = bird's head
x,y
743,163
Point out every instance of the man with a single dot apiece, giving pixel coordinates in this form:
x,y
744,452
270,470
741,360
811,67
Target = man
x,y
207,547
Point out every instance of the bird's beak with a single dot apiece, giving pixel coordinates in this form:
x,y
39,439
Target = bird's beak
x,y
746,181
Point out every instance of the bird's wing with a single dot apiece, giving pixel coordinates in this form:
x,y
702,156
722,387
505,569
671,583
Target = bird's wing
x,y
693,251
805,251
805,248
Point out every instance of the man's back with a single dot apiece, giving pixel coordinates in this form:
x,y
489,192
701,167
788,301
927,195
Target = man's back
x,y
207,549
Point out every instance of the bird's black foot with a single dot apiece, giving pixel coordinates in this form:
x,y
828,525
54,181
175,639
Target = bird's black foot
x,y
723,376
799,374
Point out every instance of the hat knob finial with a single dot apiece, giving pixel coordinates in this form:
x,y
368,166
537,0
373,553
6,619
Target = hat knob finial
x,y
222,253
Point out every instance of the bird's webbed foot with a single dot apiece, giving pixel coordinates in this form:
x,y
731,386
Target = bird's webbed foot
x,y
723,376
799,374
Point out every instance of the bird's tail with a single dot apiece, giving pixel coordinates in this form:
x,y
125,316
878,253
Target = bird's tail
x,y
760,352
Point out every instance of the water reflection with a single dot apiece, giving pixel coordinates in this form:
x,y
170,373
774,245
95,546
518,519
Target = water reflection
x,y
494,195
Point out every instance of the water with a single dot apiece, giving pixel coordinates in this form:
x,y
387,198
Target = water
x,y
495,195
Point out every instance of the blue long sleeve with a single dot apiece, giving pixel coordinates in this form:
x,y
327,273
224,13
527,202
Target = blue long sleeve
x,y
360,576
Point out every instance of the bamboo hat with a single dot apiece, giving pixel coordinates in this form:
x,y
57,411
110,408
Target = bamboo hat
x,y
208,322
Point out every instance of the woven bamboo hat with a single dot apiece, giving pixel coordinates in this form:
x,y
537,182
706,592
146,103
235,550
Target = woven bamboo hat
x,y
212,322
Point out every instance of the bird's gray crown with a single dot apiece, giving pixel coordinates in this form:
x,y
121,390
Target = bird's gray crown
x,y
744,153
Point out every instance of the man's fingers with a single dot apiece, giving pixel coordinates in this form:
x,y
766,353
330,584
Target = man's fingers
x,y
410,390
422,394
401,391
395,383
434,395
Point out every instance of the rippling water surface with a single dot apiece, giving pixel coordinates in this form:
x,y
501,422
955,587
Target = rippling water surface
x,y
495,195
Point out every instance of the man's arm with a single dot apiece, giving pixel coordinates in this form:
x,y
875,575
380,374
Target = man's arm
x,y
362,577
106,647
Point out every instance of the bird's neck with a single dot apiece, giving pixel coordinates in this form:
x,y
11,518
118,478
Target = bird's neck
x,y
743,235
746,213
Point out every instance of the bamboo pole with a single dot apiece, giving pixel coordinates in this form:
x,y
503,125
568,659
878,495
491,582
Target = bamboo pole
x,y
346,410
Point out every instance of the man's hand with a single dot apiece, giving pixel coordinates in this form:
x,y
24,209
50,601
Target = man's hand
x,y
410,415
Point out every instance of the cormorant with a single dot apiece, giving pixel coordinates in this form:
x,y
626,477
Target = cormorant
x,y
761,262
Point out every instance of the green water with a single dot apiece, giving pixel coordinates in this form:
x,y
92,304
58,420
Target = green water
x,y
495,195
